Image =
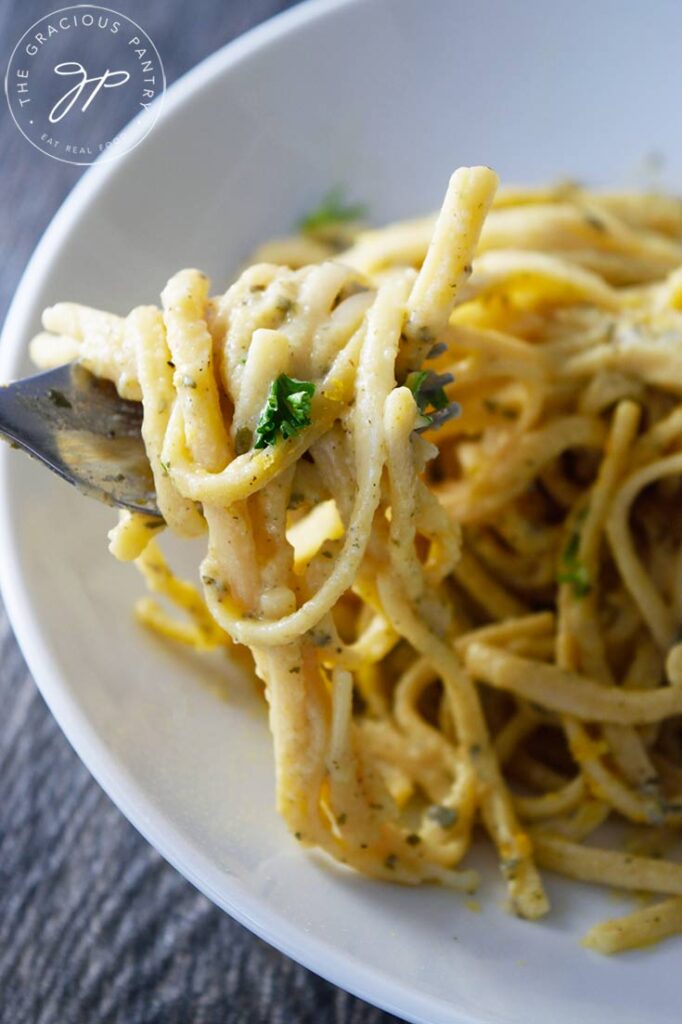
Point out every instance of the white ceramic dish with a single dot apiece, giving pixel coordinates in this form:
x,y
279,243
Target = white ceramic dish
x,y
386,97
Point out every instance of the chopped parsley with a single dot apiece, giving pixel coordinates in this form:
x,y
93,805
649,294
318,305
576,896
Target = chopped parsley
x,y
331,210
429,394
579,579
572,570
286,411
414,382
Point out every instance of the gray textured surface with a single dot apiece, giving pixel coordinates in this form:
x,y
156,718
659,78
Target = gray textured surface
x,y
94,926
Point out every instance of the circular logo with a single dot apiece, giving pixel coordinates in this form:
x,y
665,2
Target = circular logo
x,y
81,82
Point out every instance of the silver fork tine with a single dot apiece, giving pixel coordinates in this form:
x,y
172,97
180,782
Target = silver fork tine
x,y
78,426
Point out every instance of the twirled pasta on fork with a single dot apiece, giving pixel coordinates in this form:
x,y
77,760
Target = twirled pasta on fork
x,y
459,619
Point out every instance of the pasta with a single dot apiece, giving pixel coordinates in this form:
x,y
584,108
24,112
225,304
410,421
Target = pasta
x,y
460,621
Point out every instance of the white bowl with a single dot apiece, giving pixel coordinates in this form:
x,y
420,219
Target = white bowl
x,y
385,97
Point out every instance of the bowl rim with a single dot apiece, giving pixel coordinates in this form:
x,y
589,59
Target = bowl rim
x,y
317,955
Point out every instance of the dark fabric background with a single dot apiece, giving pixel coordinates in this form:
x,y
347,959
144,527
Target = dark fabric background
x,y
94,926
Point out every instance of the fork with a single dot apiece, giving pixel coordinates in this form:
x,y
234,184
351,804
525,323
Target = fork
x,y
77,425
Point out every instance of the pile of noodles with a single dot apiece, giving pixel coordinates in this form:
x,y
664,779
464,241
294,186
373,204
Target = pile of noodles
x,y
473,626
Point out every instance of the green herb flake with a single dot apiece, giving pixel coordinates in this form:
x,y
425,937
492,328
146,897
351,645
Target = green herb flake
x,y
155,524
414,381
333,209
286,411
165,466
342,819
572,570
446,817
391,862
59,399
413,839
578,578
428,393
